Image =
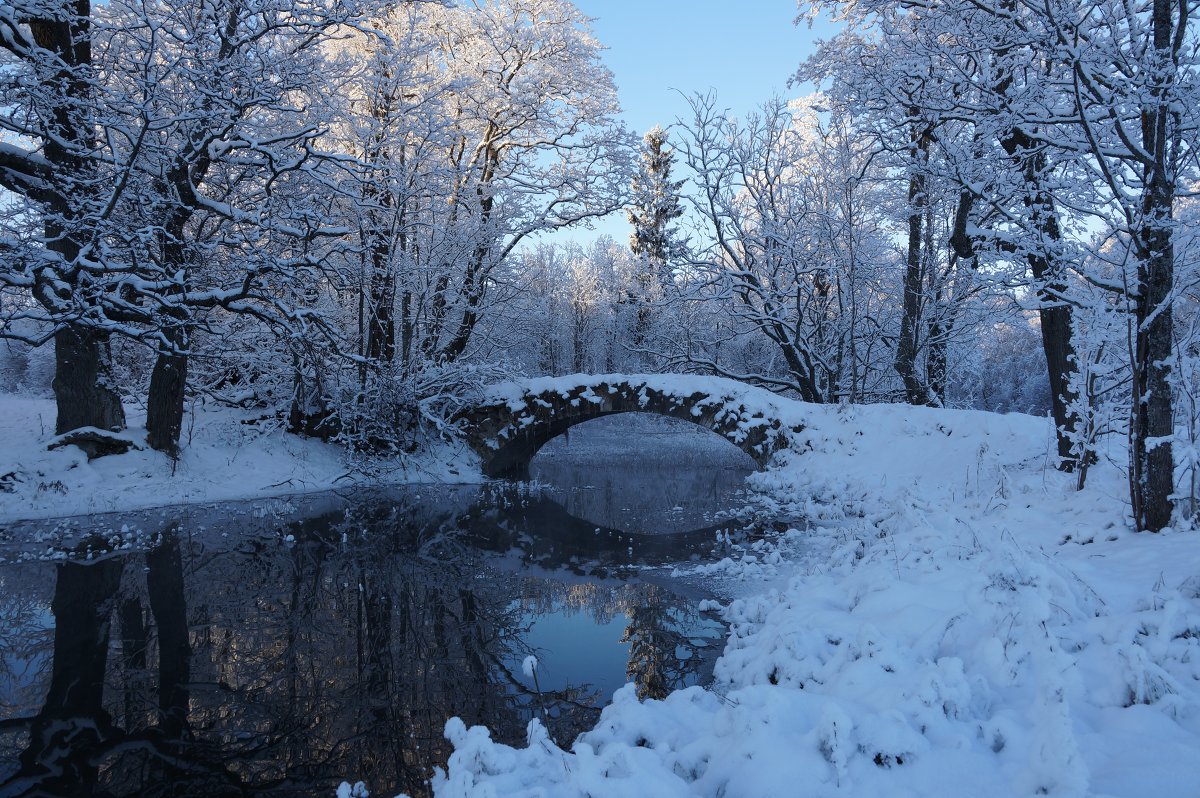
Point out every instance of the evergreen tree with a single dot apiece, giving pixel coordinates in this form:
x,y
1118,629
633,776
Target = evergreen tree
x,y
654,208
655,204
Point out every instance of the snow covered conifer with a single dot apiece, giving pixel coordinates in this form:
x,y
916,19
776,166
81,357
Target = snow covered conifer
x,y
655,204
653,210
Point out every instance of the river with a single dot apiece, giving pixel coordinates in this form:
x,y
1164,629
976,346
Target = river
x,y
280,646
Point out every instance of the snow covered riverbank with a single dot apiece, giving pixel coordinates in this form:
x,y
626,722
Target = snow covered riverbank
x,y
973,627
226,455
229,454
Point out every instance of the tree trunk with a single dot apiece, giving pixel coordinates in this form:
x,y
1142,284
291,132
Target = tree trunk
x,y
906,346
578,345
1152,472
1056,323
83,384
936,362
407,326
1152,467
1055,315
164,404
310,414
381,304
168,380
381,324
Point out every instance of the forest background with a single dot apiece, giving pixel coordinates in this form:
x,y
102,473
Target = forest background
x,y
342,217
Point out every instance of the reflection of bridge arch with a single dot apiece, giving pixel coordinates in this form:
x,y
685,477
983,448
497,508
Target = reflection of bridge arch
x,y
508,427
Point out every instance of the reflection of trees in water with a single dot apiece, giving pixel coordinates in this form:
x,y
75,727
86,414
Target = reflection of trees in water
x,y
269,668
352,655
26,640
660,629
283,670
76,744
73,716
662,657
598,601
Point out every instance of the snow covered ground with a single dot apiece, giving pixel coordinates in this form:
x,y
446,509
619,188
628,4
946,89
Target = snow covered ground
x,y
226,455
972,627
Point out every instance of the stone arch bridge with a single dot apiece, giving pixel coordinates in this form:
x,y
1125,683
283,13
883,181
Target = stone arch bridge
x,y
512,421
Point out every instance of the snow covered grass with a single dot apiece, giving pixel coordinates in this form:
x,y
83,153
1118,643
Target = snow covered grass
x,y
227,455
972,627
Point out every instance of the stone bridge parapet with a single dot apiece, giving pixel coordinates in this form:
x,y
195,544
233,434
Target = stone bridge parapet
x,y
514,420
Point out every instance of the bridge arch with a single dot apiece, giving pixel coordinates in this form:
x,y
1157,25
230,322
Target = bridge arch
x,y
508,428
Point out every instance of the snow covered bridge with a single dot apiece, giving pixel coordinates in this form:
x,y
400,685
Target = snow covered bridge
x,y
514,420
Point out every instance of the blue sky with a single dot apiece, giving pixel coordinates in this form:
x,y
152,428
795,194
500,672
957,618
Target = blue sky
x,y
744,49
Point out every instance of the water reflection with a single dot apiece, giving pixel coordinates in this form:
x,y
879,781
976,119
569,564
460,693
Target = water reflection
x,y
679,478
326,641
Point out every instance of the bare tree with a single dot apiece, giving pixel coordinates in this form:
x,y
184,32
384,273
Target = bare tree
x,y
771,245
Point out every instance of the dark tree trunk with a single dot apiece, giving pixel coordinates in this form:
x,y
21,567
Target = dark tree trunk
x,y
1054,314
936,362
310,414
407,326
962,255
168,380
641,299
1151,475
381,304
1057,323
915,391
474,276
165,401
84,388
472,293
436,318
381,320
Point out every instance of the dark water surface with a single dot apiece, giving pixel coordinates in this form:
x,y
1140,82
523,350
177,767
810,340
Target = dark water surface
x,y
278,647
